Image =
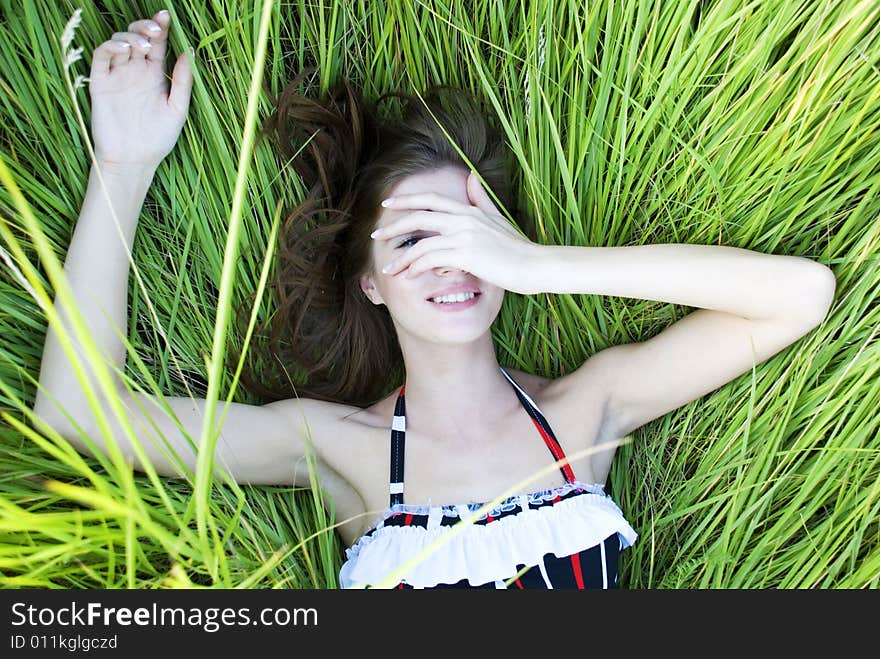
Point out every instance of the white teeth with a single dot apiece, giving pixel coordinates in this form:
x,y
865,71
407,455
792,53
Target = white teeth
x,y
455,297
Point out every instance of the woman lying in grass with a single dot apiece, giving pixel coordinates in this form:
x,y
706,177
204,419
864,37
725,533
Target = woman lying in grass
x,y
390,276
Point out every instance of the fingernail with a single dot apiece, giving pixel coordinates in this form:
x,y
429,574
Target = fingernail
x,y
164,12
375,233
385,269
155,29
388,201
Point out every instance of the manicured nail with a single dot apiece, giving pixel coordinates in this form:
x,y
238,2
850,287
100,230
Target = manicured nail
x,y
375,233
388,201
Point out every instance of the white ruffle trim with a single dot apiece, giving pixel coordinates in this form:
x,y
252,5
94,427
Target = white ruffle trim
x,y
484,553
508,504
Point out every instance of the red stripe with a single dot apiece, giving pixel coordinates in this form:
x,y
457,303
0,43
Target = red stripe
x,y
489,518
519,584
400,586
576,568
408,520
555,449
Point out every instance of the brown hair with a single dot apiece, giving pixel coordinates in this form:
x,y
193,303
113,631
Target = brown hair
x,y
341,346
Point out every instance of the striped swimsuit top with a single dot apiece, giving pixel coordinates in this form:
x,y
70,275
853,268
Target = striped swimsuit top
x,y
563,537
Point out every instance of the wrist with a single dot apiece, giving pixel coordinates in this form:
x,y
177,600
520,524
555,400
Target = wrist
x,y
123,187
539,260
133,172
131,179
557,268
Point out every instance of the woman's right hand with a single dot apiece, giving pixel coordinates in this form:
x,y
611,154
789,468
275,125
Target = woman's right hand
x,y
136,115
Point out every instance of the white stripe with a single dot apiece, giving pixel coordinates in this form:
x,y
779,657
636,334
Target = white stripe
x,y
524,502
604,566
619,547
435,516
395,488
499,584
398,423
544,574
521,390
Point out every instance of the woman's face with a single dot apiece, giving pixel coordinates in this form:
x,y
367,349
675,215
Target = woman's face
x,y
409,301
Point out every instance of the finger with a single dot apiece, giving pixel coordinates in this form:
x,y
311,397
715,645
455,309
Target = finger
x,y
478,196
424,246
181,82
146,27
443,258
419,220
140,46
430,201
152,32
108,54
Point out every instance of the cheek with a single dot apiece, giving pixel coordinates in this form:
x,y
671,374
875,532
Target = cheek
x,y
373,266
499,302
496,301
392,289
380,259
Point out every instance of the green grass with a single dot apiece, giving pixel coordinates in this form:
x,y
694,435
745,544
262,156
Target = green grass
x,y
750,124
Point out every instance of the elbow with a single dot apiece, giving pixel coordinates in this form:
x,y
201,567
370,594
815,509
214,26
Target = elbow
x,y
46,415
819,294
49,417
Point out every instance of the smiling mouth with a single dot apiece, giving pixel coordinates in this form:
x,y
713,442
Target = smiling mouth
x,y
455,299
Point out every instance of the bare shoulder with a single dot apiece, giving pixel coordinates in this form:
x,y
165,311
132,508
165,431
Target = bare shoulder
x,y
584,395
533,384
575,404
318,411
576,407
336,433
569,389
320,421
344,436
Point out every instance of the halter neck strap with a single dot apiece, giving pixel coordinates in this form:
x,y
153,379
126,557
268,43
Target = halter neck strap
x,y
398,438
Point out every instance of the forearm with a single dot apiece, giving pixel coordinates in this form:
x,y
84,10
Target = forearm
x,y
97,268
747,283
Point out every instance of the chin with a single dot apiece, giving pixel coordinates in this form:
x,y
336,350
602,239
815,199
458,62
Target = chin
x,y
446,333
453,338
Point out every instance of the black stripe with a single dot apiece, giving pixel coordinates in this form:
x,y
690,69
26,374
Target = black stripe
x,y
398,445
591,567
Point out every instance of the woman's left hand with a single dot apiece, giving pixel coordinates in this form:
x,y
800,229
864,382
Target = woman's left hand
x,y
475,238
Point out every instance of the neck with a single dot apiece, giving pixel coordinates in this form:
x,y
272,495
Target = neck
x,y
454,392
